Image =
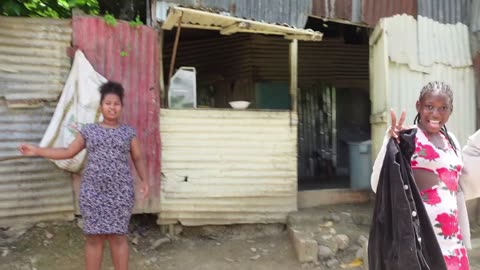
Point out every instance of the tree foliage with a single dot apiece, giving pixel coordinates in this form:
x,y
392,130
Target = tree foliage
x,y
47,8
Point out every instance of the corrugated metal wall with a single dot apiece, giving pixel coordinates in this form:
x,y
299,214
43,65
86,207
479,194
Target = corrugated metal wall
x,y
475,16
265,58
445,11
294,13
130,56
440,43
405,86
225,56
33,59
366,12
373,10
349,10
33,68
226,166
332,61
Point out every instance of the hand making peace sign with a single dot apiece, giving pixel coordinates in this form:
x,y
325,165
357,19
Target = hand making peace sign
x,y
396,127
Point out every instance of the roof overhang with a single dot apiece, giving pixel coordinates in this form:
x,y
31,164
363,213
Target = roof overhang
x,y
227,25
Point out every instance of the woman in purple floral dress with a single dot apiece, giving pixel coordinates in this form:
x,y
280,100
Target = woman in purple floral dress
x,y
107,187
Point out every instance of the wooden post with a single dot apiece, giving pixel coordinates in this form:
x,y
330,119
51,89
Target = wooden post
x,y
175,47
293,74
163,90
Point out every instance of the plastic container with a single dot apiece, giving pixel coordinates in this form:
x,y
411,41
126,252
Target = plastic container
x,y
360,164
182,93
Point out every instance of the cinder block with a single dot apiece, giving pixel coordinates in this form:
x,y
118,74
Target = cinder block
x,y
305,247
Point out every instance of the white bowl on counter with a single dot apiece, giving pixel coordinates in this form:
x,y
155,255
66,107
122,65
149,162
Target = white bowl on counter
x,y
239,105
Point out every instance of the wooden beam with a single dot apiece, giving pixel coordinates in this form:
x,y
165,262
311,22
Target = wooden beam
x,y
172,19
163,91
175,48
303,37
293,73
235,28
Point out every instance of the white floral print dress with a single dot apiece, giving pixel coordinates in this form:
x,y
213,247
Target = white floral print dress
x,y
441,200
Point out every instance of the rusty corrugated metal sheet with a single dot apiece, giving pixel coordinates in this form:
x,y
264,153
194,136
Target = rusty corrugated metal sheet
x,y
373,10
349,10
129,55
445,11
294,13
33,68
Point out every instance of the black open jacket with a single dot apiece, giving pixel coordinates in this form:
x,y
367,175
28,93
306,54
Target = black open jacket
x,y
401,235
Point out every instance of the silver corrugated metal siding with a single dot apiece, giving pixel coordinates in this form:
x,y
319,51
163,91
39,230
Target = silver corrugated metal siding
x,y
294,13
227,166
426,42
405,86
31,189
446,44
475,16
33,58
33,65
445,11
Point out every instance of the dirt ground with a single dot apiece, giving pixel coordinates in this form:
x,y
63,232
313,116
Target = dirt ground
x,y
59,246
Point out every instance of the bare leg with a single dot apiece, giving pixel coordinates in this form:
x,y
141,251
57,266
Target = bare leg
x,y
119,250
94,251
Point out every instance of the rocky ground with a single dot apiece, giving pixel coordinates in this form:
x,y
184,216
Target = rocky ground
x,y
59,246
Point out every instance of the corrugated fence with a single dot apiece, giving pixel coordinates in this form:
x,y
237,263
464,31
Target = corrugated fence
x,y
226,167
33,68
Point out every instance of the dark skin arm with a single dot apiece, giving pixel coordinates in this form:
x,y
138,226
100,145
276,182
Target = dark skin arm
x,y
139,162
54,153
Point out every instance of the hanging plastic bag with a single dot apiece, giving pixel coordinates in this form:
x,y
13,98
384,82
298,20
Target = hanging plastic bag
x,y
78,105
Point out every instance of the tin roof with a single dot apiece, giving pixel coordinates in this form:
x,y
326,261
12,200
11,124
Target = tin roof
x,y
294,13
213,19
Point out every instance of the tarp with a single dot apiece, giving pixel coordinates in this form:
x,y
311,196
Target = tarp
x,y
78,105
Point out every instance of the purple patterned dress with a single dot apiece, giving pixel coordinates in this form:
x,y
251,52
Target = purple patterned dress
x,y
107,189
